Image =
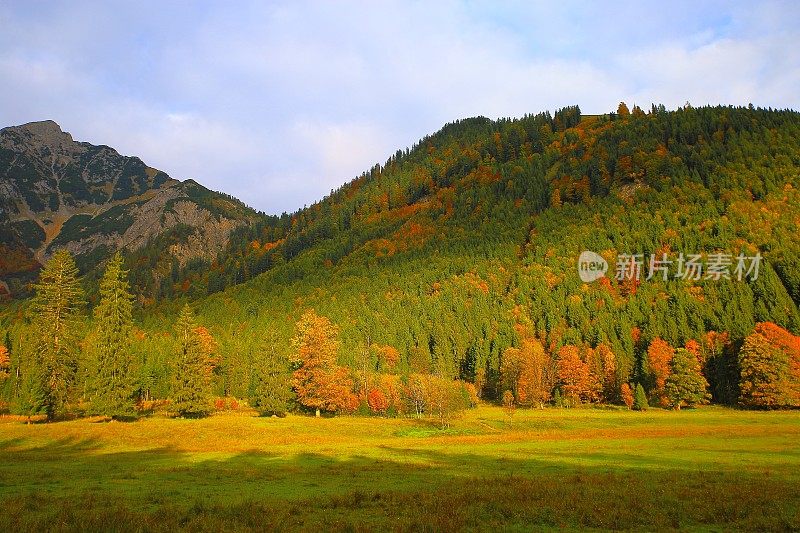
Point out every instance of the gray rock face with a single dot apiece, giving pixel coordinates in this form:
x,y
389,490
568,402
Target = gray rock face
x,y
56,192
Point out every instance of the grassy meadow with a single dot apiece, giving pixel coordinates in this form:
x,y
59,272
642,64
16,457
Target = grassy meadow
x,y
704,469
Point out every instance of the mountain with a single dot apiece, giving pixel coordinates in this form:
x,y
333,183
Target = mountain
x,y
467,244
56,192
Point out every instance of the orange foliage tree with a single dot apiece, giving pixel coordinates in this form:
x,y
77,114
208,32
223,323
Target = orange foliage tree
x,y
608,361
627,395
770,368
659,358
319,382
5,362
574,376
528,372
209,348
377,401
388,356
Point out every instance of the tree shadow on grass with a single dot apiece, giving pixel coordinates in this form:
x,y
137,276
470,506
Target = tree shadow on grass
x,y
77,484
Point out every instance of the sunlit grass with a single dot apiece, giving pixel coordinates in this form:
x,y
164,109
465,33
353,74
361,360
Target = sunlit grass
x,y
710,467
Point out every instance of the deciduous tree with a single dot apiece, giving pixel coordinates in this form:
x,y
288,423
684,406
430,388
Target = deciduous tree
x,y
770,368
574,377
627,395
509,405
377,401
5,363
319,382
659,358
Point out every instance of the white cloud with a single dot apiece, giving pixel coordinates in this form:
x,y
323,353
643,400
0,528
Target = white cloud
x,y
278,103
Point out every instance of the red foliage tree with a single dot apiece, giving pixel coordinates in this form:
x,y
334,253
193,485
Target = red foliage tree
x,y
377,401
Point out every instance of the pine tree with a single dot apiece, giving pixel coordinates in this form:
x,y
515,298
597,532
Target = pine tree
x,y
31,400
640,399
685,385
272,388
58,302
115,376
191,388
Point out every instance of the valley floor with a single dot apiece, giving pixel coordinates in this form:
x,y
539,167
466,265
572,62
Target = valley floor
x,y
707,469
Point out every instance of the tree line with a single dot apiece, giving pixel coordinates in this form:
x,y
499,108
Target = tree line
x,y
311,377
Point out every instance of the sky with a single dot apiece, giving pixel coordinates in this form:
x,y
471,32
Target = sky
x,y
278,103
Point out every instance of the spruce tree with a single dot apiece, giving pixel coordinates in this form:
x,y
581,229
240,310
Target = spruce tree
x,y
31,397
685,385
115,377
56,307
191,388
640,399
272,387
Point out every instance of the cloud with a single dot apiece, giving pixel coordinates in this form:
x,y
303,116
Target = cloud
x,y
278,103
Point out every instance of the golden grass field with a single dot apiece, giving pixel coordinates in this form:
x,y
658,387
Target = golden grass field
x,y
705,469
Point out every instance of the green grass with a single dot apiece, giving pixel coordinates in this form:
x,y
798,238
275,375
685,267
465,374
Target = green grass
x,y
706,469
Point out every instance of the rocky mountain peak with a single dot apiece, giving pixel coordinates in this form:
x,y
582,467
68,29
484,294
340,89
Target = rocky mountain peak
x,y
46,132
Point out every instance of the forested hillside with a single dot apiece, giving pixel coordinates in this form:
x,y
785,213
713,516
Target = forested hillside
x,y
459,258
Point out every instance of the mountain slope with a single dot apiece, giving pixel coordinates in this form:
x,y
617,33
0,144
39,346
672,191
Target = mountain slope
x,y
55,192
467,244
456,249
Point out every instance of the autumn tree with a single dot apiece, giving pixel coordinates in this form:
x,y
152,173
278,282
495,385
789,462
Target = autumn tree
x,y
191,390
319,383
659,359
528,372
574,376
537,374
627,395
271,390
608,363
555,198
416,393
509,405
56,307
445,399
209,348
377,401
685,385
5,363
114,323
770,368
